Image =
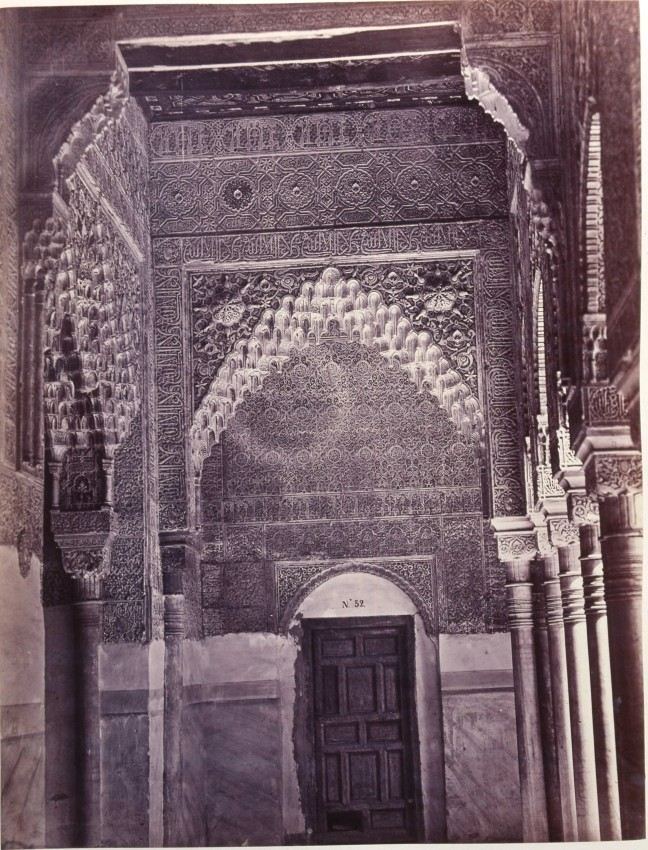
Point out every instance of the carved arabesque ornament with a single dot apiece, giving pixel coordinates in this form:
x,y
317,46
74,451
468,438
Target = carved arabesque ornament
x,y
333,307
516,546
614,473
104,112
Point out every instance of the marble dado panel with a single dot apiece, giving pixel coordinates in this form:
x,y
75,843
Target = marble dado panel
x,y
435,296
401,128
481,767
334,189
174,257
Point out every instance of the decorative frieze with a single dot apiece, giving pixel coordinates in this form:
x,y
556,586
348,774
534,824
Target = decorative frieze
x,y
366,186
340,130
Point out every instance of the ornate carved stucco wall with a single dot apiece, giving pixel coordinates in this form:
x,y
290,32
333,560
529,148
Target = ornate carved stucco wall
x,y
245,211
99,393
340,461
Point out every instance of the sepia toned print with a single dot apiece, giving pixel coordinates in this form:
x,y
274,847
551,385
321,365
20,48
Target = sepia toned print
x,y
320,463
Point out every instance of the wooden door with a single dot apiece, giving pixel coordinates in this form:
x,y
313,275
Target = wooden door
x,y
367,772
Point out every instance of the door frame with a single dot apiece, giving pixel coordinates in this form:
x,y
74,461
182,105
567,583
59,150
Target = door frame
x,y
312,802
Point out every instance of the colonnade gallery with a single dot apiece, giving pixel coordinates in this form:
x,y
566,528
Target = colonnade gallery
x,y
319,424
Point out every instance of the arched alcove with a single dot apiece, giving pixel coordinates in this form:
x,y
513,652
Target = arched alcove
x,y
339,460
334,306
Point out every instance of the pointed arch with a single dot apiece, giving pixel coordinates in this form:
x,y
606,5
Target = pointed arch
x,y
332,307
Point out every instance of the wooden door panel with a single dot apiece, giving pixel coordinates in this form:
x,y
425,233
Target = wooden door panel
x,y
364,735
361,690
333,777
384,730
363,776
391,685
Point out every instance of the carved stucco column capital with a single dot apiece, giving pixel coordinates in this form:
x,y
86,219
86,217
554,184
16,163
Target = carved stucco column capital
x,y
85,540
562,532
582,508
516,538
613,473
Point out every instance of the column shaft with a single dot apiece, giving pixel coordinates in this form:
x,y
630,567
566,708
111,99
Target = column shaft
x,y
173,686
601,684
28,374
580,695
87,619
621,544
560,698
527,714
543,665
37,403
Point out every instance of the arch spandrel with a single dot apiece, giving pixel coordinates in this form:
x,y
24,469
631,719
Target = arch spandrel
x,y
335,307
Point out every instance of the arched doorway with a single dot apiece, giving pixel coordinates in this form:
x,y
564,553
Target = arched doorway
x,y
368,730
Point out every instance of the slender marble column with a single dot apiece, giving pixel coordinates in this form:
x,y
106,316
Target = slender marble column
x,y
37,400
88,621
580,695
527,714
174,628
543,665
560,697
601,683
622,548
28,374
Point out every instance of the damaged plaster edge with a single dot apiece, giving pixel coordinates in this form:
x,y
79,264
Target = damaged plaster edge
x,y
298,62
480,88
235,38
